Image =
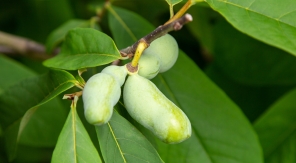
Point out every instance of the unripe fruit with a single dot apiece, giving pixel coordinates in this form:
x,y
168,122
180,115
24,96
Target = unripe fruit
x,y
148,66
166,49
100,93
118,72
148,106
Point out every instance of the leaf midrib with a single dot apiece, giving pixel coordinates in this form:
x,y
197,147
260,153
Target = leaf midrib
x,y
117,144
74,134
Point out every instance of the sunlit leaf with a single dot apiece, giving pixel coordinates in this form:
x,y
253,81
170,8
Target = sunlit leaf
x,y
84,47
272,22
242,58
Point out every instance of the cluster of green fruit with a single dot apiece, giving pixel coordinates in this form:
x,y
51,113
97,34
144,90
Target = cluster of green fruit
x,y
142,99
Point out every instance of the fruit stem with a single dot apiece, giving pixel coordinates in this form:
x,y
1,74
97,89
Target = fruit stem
x,y
181,12
140,48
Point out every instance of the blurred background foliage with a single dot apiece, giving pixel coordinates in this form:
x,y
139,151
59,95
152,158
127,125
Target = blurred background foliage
x,y
253,74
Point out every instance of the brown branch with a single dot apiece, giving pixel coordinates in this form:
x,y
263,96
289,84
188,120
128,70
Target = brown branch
x,y
11,45
158,32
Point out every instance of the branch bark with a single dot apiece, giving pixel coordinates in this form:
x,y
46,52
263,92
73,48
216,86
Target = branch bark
x,y
158,32
11,45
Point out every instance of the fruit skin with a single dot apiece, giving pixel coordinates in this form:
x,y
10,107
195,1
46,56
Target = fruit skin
x,y
101,92
148,106
118,72
166,49
149,66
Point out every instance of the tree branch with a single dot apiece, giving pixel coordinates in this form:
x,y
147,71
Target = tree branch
x,y
11,44
158,32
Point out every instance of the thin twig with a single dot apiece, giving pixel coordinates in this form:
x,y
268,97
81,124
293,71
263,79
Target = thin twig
x,y
158,32
11,44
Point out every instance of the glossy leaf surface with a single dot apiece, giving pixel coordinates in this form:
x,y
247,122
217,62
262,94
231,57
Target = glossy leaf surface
x,y
277,130
74,143
120,141
272,22
84,47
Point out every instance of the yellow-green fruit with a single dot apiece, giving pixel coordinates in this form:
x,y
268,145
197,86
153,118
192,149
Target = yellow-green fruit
x,y
166,49
100,93
148,106
148,66
118,72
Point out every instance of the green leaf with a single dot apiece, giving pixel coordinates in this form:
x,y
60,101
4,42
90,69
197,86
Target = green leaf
x,y
58,35
122,142
74,143
255,64
247,97
12,72
127,27
272,22
277,130
215,138
84,47
31,93
20,101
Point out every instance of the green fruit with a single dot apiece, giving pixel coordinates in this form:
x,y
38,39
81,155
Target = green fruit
x,y
118,72
148,66
101,92
148,106
166,49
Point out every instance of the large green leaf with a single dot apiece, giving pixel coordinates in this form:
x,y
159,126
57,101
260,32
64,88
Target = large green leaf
x,y
254,64
74,143
20,101
120,142
11,72
33,133
127,26
270,21
84,47
58,35
221,133
252,99
277,130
